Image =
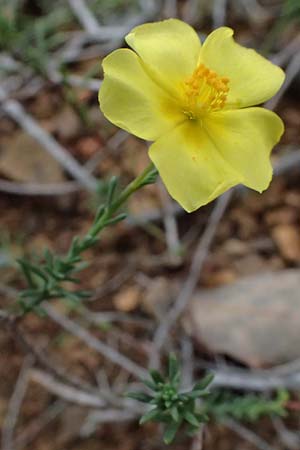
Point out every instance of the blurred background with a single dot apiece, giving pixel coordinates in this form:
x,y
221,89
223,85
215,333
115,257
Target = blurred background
x,y
228,275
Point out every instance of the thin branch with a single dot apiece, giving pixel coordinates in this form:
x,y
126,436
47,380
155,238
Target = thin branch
x,y
94,343
291,72
113,33
84,15
38,189
31,126
197,443
106,416
65,391
247,434
289,439
193,276
284,55
187,352
252,381
115,316
92,84
287,162
15,404
26,436
288,368
170,223
170,8
219,13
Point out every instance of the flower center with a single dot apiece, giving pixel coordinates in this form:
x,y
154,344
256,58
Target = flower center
x,y
205,91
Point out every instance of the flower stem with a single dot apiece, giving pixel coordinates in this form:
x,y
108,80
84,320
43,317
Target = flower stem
x,y
148,176
46,280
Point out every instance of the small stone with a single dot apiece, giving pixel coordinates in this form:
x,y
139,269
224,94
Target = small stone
x,y
127,299
287,239
255,320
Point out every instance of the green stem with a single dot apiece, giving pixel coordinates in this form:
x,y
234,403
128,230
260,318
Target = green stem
x,y
132,187
45,281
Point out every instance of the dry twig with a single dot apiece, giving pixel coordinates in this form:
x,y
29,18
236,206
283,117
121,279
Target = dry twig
x,y
292,71
15,404
26,436
66,392
94,343
191,282
247,434
14,109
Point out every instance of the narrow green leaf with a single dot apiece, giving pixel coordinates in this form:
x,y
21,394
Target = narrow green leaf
x,y
99,213
26,271
116,219
170,432
201,385
190,418
175,414
150,415
150,384
197,393
156,376
111,190
140,396
173,368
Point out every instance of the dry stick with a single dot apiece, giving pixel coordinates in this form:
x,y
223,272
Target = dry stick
x,y
187,352
94,343
85,16
287,162
249,381
292,71
171,228
106,416
254,9
285,369
219,13
247,434
66,392
283,56
28,434
197,443
44,360
31,126
289,439
68,187
112,33
39,189
170,8
15,404
192,279
92,84
91,25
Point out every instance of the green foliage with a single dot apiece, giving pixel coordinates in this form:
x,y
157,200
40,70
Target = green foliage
x,y
47,279
291,10
31,39
223,404
104,9
170,407
176,410
11,246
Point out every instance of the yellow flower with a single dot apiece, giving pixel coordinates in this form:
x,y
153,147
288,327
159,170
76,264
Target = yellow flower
x,y
196,103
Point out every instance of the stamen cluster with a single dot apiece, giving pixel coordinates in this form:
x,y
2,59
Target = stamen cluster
x,y
205,91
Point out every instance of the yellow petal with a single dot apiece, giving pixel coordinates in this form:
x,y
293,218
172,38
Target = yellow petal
x,y
252,78
191,167
132,101
245,139
169,49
